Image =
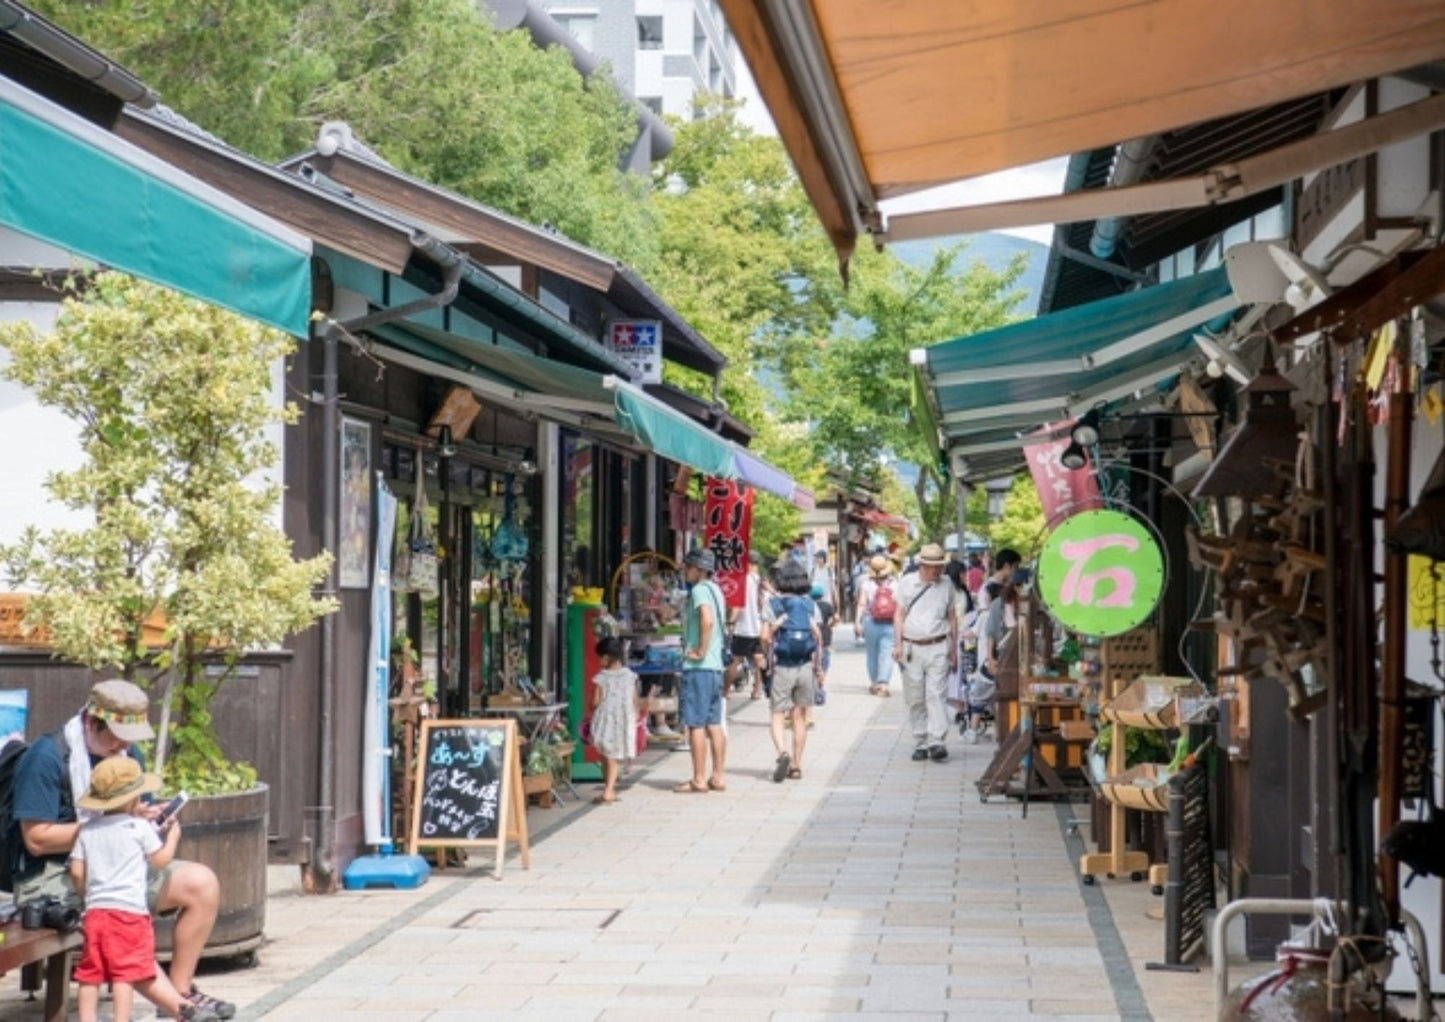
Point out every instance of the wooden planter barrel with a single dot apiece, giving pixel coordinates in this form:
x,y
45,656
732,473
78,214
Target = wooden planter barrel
x,y
228,834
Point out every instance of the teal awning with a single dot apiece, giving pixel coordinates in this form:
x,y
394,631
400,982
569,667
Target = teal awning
x,y
984,390
670,433
69,182
607,405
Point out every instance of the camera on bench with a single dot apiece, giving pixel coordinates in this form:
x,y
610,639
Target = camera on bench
x,y
49,912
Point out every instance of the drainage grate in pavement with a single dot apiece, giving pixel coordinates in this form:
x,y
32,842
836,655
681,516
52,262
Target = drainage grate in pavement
x,y
514,919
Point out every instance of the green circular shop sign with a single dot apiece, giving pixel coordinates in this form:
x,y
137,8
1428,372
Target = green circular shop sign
x,y
1101,572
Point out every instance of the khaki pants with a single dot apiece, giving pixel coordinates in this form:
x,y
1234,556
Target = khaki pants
x,y
925,688
53,880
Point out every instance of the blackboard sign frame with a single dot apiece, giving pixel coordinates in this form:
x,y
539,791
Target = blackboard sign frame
x,y
511,810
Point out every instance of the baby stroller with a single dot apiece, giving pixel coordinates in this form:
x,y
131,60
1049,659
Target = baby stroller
x,y
979,692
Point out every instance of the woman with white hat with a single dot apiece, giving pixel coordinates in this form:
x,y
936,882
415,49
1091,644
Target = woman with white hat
x,y
873,620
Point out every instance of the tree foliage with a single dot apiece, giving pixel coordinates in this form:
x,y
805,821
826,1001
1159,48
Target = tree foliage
x,y
856,388
1021,526
172,398
429,84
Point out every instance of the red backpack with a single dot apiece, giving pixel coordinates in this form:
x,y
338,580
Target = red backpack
x,y
883,606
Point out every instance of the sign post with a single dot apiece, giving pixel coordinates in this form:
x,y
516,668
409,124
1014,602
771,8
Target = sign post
x,y
1101,573
469,789
639,343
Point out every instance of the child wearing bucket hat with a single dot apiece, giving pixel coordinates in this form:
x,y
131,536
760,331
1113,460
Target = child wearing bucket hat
x,y
108,866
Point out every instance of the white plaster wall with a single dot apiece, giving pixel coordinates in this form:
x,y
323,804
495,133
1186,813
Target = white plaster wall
x,y
37,441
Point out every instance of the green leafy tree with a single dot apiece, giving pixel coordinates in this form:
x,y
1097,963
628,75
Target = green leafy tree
x,y
172,399
429,84
1021,526
855,388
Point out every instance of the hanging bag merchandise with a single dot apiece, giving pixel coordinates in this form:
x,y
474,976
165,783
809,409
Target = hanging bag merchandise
x,y
422,573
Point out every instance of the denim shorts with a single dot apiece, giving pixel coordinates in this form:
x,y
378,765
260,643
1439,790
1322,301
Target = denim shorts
x,y
700,699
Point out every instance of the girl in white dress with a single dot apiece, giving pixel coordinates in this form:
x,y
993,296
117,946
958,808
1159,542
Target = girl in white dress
x,y
614,719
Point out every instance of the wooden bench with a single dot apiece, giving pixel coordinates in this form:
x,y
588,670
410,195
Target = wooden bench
x,y
27,949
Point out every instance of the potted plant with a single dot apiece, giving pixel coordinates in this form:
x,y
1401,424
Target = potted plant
x,y
180,567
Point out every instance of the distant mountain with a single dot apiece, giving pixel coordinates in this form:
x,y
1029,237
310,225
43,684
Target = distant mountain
x,y
992,249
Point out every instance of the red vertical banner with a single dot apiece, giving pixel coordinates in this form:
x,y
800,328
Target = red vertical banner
x,y
729,527
1061,490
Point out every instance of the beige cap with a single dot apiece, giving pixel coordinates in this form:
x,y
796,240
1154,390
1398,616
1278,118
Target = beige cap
x,y
124,707
114,782
880,566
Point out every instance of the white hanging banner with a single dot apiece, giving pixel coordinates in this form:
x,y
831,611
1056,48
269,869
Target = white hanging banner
x,y
376,743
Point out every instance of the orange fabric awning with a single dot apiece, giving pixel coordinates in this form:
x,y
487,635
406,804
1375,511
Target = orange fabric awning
x,y
875,98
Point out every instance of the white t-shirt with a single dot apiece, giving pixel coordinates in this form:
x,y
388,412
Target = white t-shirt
x,y
749,624
115,848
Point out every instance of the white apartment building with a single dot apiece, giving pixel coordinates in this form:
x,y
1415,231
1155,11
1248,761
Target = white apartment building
x,y
664,52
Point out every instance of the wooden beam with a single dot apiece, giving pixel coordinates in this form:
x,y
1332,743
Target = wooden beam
x,y
1383,294
467,220
332,223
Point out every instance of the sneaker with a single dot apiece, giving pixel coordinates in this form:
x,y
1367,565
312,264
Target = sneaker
x,y
195,1013
920,754
970,736
937,753
202,1003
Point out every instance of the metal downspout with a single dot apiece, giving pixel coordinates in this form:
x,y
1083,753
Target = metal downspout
x,y
1128,170
452,263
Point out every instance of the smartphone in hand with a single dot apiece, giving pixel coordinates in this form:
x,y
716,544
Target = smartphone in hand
x,y
171,808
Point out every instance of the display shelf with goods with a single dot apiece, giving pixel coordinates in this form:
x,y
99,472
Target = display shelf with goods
x,y
649,601
500,632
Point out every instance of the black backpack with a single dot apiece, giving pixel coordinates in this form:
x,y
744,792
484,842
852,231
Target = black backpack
x,y
11,846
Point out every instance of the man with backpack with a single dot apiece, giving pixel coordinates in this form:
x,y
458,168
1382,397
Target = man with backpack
x,y
39,790
927,650
873,615
793,628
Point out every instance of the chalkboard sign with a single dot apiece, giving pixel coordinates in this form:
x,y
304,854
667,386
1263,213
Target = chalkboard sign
x,y
469,787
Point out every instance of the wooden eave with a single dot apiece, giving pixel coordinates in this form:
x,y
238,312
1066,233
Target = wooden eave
x,y
481,231
333,223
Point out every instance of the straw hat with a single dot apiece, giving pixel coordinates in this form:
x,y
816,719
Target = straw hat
x,y
879,566
932,554
114,782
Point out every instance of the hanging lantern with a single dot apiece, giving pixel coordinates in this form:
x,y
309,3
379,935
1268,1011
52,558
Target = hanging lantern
x,y
1264,441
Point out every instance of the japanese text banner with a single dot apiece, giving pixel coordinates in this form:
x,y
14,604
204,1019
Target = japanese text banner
x,y
729,524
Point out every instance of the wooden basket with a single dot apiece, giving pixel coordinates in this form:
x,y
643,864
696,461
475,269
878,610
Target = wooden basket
x,y
1140,787
1149,702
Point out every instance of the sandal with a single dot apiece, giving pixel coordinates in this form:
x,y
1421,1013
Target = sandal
x,y
689,788
716,786
795,773
600,801
781,769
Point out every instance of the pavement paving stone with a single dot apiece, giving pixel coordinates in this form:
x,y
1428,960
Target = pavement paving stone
x,y
875,888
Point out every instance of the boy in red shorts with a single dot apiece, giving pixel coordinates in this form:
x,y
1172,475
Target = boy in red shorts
x,y
108,866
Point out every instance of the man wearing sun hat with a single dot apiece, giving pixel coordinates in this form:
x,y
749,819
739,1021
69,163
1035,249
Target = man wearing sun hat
x,y
50,779
927,650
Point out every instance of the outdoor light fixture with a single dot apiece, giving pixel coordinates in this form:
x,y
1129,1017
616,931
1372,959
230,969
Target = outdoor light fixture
x,y
445,447
528,465
1085,433
1074,456
1261,447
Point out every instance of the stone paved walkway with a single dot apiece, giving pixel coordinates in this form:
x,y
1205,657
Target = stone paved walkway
x,y
872,887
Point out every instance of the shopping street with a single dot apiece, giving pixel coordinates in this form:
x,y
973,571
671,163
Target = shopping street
x,y
873,887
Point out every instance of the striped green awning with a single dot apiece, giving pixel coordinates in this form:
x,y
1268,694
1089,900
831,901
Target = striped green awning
x,y
69,182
